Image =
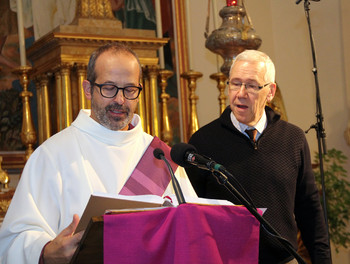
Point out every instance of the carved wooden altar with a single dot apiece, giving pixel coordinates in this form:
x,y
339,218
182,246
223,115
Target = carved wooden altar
x,y
60,60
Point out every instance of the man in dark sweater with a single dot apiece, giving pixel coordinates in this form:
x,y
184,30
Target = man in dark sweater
x,y
273,166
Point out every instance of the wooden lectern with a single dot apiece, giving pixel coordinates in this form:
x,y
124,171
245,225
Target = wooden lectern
x,y
91,248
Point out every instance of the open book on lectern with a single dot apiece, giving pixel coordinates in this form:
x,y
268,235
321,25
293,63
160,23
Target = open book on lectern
x,y
101,203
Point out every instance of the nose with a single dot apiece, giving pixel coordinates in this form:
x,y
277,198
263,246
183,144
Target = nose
x,y
242,90
119,98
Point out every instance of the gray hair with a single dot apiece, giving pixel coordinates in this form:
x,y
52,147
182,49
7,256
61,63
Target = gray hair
x,y
257,56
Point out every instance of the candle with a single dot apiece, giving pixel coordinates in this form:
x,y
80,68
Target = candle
x,y
159,32
21,39
231,2
188,29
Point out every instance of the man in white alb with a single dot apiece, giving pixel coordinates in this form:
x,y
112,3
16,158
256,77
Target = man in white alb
x,y
102,151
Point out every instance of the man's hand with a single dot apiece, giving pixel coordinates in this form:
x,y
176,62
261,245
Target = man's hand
x,y
62,248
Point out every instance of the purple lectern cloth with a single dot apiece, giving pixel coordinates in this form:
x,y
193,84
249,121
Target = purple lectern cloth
x,y
188,233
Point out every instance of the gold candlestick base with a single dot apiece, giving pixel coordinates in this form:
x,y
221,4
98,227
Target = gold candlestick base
x,y
166,133
191,77
221,85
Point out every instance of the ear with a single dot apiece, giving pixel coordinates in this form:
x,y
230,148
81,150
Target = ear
x,y
272,91
87,89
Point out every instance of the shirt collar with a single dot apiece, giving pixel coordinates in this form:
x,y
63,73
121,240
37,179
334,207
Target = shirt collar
x,y
260,126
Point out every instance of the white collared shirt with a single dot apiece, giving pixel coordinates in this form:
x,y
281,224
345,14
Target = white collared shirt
x,y
260,126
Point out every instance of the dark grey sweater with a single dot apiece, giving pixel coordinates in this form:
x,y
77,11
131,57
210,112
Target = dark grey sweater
x,y
277,175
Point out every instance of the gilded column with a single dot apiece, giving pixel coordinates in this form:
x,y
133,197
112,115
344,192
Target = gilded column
x,y
155,127
44,123
81,72
59,100
191,77
46,113
66,95
39,99
141,105
166,133
221,85
147,101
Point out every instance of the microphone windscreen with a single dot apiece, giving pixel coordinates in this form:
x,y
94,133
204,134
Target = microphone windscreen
x,y
178,154
157,153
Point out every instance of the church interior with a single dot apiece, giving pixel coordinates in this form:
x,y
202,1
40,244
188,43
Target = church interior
x,y
184,51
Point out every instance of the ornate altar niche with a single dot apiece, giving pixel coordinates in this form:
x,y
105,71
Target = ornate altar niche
x,y
60,60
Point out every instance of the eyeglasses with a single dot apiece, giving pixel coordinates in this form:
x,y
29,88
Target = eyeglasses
x,y
108,90
251,88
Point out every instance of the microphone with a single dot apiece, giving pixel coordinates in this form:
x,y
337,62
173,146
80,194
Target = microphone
x,y
159,154
186,155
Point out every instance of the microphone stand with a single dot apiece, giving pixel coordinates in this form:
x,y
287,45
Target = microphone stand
x,y
178,192
318,126
223,180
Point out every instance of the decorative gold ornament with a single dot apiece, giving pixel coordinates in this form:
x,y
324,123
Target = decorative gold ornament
x,y
28,134
235,35
221,85
94,9
4,177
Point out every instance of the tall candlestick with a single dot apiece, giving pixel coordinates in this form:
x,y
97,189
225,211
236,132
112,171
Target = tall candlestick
x,y
21,39
159,33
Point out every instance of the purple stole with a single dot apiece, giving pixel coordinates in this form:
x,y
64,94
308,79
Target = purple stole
x,y
151,176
